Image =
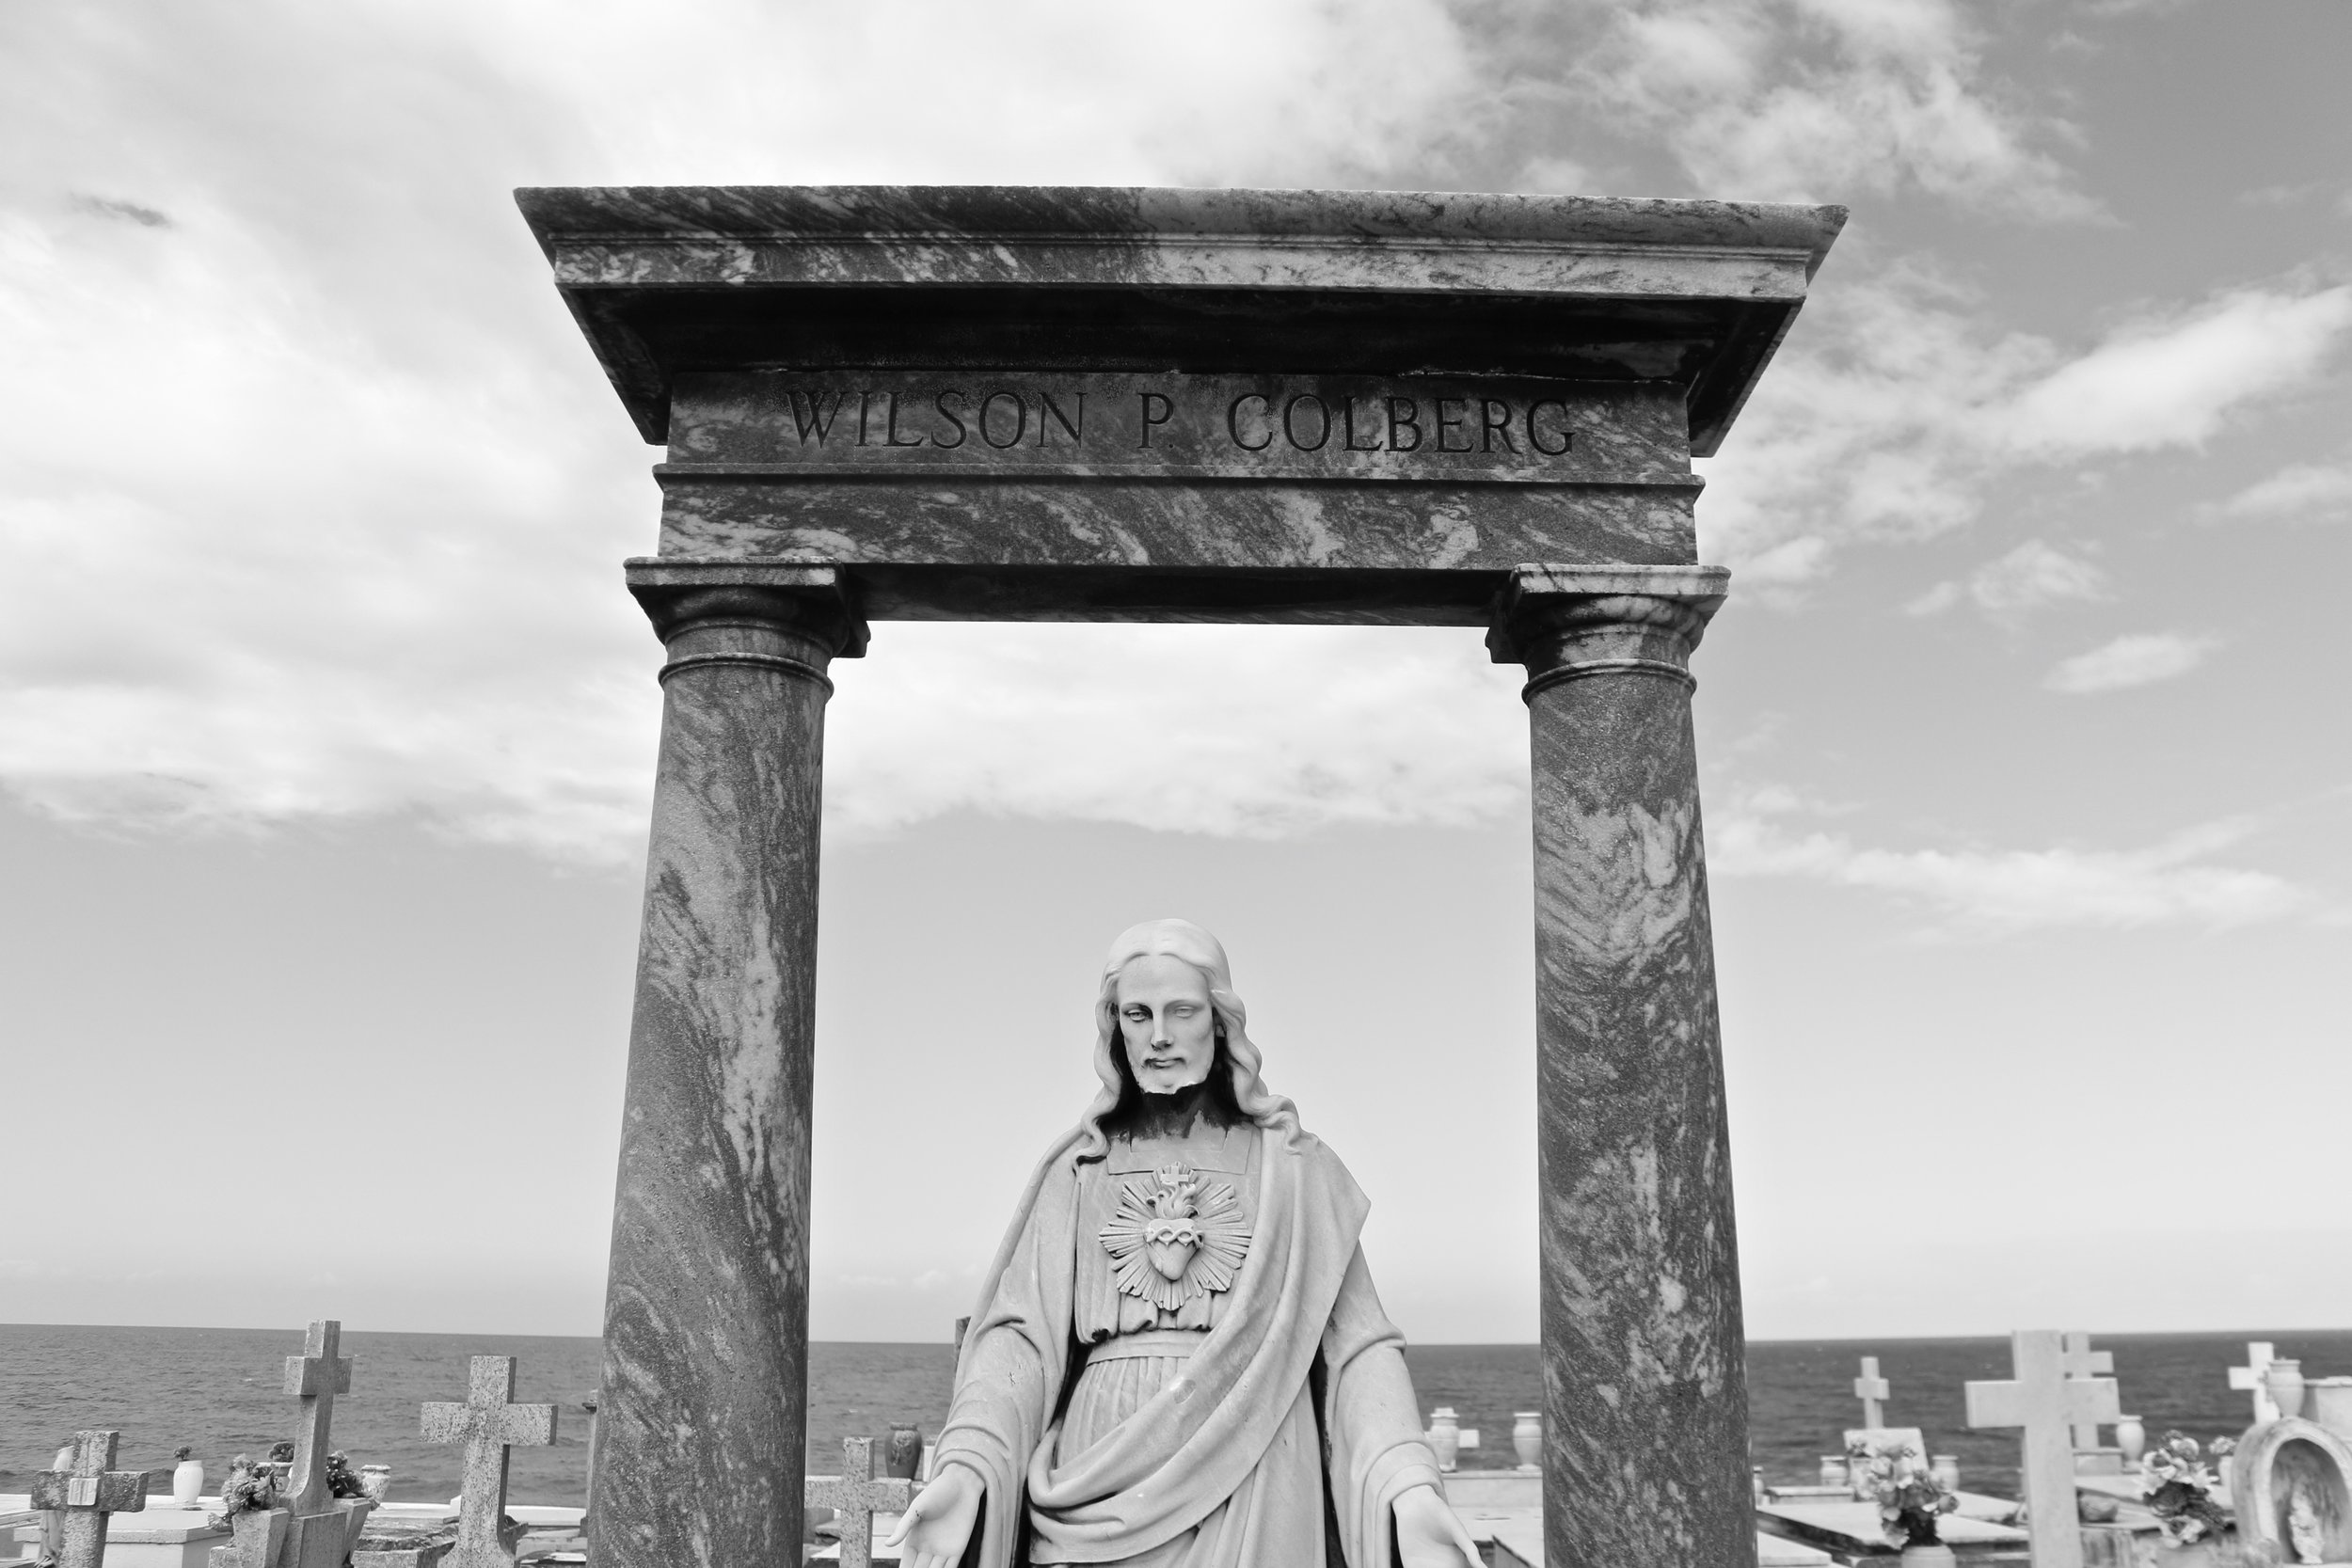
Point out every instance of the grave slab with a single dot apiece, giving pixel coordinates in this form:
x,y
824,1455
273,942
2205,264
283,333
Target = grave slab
x,y
156,1538
1850,1529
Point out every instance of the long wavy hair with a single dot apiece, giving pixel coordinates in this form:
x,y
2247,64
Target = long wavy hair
x,y
1240,1092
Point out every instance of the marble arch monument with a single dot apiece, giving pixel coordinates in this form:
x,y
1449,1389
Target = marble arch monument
x,y
979,402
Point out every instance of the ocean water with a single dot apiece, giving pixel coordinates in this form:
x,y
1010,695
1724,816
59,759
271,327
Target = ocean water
x,y
217,1390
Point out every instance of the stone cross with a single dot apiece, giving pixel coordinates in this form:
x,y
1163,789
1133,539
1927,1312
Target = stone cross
x,y
2044,1401
85,1493
855,1496
488,1424
2079,1360
2248,1378
1870,1388
315,1377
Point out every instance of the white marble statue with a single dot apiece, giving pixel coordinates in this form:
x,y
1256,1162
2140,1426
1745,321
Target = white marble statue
x,y
1184,1262
2303,1527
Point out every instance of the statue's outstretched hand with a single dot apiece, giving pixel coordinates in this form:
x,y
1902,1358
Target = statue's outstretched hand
x,y
1427,1533
932,1531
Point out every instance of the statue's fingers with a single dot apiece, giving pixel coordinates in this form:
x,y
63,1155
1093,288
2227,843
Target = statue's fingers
x,y
906,1523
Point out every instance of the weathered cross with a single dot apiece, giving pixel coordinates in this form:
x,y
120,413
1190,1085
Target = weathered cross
x,y
85,1493
315,1377
2046,1403
488,1424
2080,1360
855,1496
2260,1353
1870,1389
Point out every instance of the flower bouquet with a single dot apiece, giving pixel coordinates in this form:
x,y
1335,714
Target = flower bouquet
x,y
1911,1496
2178,1484
341,1479
250,1488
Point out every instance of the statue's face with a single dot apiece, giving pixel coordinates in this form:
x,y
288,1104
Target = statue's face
x,y
1166,1023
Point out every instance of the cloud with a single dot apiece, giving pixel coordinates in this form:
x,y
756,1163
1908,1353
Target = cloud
x,y
2302,492
2032,574
1818,100
2170,379
1989,893
314,500
2141,658
1246,731
1895,406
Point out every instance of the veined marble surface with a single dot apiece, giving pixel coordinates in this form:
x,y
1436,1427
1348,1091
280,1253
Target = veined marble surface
x,y
670,278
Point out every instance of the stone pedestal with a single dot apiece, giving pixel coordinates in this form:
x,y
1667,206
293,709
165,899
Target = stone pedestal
x,y
699,1442
1645,1395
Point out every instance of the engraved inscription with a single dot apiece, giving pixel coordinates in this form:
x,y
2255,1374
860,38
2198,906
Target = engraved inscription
x,y
1176,424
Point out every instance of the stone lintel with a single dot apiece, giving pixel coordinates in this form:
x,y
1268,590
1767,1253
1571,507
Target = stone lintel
x,y
665,280
815,601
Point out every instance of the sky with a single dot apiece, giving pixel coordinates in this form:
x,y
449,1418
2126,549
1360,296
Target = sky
x,y
327,729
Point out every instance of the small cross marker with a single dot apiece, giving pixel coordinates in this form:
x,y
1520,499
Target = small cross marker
x,y
1870,1389
2248,1378
85,1493
488,1424
2047,1404
855,1496
2079,1360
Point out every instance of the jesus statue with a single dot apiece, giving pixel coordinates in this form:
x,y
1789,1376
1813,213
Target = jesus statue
x,y
1178,1360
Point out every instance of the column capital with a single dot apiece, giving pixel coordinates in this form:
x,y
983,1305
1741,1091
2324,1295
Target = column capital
x,y
1566,623
814,602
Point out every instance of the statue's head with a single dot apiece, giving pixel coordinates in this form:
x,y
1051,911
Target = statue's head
x,y
1166,1018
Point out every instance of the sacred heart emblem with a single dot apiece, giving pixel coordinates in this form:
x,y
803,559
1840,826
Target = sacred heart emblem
x,y
1170,1244
1170,1240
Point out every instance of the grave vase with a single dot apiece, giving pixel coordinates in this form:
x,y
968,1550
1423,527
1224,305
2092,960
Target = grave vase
x,y
2284,1381
2187,1554
2131,1438
902,1453
1445,1438
1527,1438
187,1482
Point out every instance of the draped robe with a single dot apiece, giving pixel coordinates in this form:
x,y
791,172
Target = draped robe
x,y
1292,1425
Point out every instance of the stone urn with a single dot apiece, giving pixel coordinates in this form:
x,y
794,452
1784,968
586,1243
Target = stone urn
x,y
902,1450
1933,1555
2284,1381
2131,1437
187,1480
1445,1436
377,1479
1527,1438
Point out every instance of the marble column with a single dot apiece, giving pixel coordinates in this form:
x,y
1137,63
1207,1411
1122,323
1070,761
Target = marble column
x,y
1645,1400
698,1459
